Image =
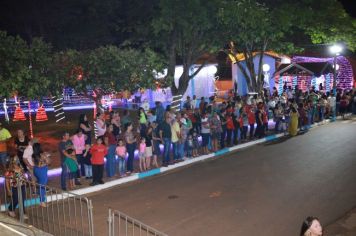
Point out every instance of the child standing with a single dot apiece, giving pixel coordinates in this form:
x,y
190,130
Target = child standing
x,y
189,146
121,154
142,150
195,144
98,151
87,162
72,165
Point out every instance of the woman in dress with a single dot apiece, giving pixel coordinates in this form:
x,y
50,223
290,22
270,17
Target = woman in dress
x,y
293,125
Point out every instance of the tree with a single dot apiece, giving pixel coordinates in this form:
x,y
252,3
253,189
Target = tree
x,y
23,68
102,71
250,28
186,30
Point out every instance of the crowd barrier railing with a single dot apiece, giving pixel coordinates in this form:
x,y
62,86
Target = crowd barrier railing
x,y
120,224
52,210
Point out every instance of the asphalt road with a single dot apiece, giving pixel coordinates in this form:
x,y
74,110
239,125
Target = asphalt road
x,y
264,190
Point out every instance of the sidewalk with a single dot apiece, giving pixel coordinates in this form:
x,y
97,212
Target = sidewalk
x,y
12,227
345,226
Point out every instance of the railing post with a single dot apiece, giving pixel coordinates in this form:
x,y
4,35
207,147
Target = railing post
x,y
20,200
110,219
91,222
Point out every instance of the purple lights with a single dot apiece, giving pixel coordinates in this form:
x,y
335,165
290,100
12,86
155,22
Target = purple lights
x,y
345,75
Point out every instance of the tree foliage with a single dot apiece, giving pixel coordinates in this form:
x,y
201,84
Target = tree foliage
x,y
187,31
23,68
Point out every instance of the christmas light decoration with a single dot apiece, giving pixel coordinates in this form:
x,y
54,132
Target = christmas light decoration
x,y
41,114
19,114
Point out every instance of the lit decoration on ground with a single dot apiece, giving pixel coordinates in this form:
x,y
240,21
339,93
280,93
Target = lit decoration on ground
x,y
19,114
41,114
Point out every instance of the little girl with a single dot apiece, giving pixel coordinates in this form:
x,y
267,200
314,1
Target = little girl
x,y
142,150
71,162
195,144
87,162
121,154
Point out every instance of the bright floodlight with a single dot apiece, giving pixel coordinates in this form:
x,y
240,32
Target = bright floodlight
x,y
335,49
265,67
337,66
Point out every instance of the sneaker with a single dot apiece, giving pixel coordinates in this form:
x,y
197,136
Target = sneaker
x,y
78,183
101,182
93,184
43,204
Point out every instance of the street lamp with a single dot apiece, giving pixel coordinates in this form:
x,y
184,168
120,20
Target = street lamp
x,y
335,50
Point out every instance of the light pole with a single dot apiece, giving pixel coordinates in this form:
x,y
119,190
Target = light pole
x,y
335,50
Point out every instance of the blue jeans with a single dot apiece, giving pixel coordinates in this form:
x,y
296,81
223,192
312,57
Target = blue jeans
x,y
110,161
88,170
121,164
64,175
175,150
80,163
181,149
42,179
167,147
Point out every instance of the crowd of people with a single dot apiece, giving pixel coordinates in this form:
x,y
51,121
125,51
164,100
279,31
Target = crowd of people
x,y
201,126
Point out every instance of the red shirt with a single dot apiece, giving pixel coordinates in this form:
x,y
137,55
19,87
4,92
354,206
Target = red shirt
x,y
97,154
229,123
111,138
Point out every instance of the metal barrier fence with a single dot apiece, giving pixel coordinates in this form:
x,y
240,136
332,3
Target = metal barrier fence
x,y
120,224
49,209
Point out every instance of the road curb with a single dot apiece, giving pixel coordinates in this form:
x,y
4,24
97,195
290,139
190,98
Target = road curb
x,y
153,172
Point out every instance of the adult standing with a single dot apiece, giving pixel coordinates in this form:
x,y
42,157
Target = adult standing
x,y
223,128
4,138
148,150
293,126
63,146
100,125
159,112
21,142
78,141
259,121
14,177
155,141
165,134
85,127
27,158
130,140
175,129
125,118
142,117
205,133
110,141
216,130
115,122
40,171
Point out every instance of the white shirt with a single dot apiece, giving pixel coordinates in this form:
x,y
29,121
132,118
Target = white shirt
x,y
101,126
332,101
27,154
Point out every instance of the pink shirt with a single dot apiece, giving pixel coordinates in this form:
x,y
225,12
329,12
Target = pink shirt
x,y
142,147
121,151
78,143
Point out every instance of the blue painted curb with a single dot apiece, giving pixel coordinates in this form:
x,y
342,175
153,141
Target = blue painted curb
x,y
149,173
